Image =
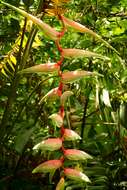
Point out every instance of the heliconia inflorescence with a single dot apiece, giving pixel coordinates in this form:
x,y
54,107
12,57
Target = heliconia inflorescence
x,y
65,134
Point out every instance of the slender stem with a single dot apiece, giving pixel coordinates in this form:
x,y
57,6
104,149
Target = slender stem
x,y
93,112
86,101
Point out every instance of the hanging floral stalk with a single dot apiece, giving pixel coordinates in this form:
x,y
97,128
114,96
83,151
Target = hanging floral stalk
x,y
58,118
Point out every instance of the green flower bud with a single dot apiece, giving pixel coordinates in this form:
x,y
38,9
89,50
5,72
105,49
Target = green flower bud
x,y
70,135
75,175
73,154
48,166
50,144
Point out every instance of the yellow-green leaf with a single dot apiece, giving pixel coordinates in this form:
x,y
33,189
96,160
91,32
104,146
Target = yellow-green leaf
x,y
13,59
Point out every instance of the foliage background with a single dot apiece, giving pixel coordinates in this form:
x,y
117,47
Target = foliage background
x,y
100,103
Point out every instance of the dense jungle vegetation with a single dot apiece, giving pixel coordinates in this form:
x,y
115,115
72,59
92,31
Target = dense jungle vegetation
x,y
84,91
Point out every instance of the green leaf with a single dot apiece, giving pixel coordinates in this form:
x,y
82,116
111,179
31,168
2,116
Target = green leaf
x,y
23,134
51,174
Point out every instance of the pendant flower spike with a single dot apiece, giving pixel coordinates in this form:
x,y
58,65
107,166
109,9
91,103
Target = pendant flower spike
x,y
57,143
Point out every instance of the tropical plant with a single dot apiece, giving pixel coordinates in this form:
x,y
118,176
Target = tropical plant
x,y
60,103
